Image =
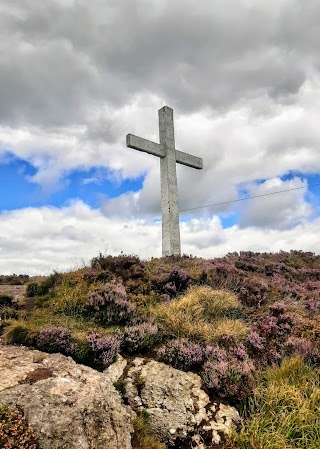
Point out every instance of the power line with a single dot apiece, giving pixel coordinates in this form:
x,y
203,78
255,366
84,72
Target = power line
x,y
250,197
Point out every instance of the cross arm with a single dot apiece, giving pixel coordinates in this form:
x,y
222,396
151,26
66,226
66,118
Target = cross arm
x,y
189,160
138,143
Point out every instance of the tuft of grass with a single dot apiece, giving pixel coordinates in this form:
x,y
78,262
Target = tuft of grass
x,y
17,333
203,313
7,313
143,439
285,410
71,298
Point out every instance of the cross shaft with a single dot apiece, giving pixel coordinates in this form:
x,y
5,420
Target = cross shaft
x,y
169,156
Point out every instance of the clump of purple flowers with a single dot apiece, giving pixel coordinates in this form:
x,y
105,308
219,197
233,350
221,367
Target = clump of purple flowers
x,y
104,349
269,334
110,304
182,354
228,371
140,337
55,339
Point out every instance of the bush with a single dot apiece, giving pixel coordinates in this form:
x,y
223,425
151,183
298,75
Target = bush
x,y
54,339
140,337
228,371
6,301
104,349
7,313
125,266
32,289
284,412
14,430
109,304
44,287
268,336
181,354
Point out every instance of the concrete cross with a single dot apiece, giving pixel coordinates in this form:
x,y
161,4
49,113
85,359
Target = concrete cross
x,y
169,156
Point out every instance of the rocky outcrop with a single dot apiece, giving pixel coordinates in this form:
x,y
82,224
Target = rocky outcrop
x,y
178,408
69,406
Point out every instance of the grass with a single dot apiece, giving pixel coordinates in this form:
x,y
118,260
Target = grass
x,y
202,313
285,410
71,297
143,438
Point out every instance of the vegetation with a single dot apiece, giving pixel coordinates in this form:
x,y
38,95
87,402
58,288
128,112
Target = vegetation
x,y
14,430
240,322
284,412
143,438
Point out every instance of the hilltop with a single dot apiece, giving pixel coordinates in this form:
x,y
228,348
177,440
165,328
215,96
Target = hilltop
x,y
247,324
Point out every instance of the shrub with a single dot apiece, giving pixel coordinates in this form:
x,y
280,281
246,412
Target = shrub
x,y
32,289
140,337
104,349
109,304
254,292
181,354
125,266
228,371
7,313
6,301
54,339
284,412
267,337
14,430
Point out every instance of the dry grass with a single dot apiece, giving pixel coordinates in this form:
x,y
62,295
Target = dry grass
x,y
203,313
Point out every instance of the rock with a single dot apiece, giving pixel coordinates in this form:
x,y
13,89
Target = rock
x,y
69,406
178,408
116,370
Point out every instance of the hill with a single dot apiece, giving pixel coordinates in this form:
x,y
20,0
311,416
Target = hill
x,y
247,323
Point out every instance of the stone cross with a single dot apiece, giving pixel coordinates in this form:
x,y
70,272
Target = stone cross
x,y
169,156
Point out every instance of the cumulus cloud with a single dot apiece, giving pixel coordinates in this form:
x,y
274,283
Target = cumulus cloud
x,y
281,211
63,239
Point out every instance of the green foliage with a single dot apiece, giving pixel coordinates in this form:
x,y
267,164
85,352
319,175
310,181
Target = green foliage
x,y
285,410
71,299
17,333
14,430
5,300
44,287
32,289
7,313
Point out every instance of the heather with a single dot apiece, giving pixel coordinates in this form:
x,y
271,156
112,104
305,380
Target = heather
x,y
14,430
230,319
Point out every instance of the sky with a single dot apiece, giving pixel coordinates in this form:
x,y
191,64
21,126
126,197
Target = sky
x,y
243,79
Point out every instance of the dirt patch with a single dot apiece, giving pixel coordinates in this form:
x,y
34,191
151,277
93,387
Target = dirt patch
x,y
15,291
38,374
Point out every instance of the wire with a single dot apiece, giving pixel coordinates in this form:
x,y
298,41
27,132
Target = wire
x,y
250,197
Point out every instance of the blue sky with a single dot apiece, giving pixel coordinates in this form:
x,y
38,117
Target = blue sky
x,y
17,190
244,84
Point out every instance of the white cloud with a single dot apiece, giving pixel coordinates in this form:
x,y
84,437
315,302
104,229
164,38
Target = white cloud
x,y
280,211
41,240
